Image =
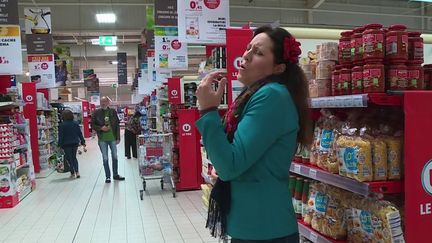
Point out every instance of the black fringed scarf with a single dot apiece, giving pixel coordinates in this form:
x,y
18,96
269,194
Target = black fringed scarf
x,y
220,197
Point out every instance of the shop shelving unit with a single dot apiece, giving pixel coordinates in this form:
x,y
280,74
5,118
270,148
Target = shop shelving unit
x,y
416,185
17,170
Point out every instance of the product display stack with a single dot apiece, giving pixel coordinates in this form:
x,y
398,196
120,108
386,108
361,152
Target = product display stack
x,y
17,178
355,182
48,132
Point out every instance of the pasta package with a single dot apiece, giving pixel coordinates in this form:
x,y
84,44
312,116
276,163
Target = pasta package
x,y
355,157
394,157
379,159
327,159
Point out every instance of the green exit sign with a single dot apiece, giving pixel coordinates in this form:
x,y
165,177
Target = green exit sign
x,y
107,40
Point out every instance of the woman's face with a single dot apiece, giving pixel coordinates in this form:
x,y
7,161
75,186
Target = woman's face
x,y
258,60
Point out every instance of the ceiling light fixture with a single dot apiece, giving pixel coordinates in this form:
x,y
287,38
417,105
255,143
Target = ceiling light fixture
x,y
106,18
113,62
111,48
95,42
427,1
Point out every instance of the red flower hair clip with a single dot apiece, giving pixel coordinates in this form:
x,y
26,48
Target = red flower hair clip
x,y
291,50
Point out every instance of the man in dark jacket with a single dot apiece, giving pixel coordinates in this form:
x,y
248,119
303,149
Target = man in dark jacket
x,y
107,125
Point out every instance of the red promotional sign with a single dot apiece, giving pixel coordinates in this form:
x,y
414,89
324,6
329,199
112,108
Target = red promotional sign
x,y
151,53
29,96
418,169
190,153
174,91
236,43
86,119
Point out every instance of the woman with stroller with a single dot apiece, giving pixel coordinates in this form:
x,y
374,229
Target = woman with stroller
x,y
70,137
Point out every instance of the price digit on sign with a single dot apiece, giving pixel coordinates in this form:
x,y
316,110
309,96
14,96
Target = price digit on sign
x,y
193,4
164,47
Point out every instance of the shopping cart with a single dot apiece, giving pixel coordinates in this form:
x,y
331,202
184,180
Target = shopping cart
x,y
155,160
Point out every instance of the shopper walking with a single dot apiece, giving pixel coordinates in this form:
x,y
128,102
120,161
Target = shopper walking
x,y
107,125
252,148
133,128
70,137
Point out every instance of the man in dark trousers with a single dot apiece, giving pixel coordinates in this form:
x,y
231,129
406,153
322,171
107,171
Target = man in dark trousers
x,y
107,125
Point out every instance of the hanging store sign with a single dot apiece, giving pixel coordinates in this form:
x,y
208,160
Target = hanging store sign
x,y
39,44
203,21
42,70
37,20
107,40
170,53
165,12
150,20
9,12
10,50
122,67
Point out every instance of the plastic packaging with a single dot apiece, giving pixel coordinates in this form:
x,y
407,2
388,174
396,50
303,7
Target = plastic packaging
x,y
397,76
328,52
397,43
345,80
323,87
415,80
373,42
345,47
357,80
357,45
373,78
415,46
324,69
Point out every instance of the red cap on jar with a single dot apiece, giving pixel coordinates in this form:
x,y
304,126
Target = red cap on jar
x,y
414,62
427,66
346,33
414,34
373,26
398,27
359,30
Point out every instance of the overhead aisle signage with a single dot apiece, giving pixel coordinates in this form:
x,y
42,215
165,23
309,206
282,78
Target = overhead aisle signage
x,y
203,21
10,50
170,53
42,70
165,12
9,12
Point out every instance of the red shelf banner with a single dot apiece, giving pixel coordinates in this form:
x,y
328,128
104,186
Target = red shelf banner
x,y
174,91
418,165
29,96
236,43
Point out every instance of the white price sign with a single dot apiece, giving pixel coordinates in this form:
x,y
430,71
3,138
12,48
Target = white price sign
x,y
42,70
203,21
10,50
170,53
358,100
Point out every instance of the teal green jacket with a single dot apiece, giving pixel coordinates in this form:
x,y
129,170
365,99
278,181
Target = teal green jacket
x,y
257,163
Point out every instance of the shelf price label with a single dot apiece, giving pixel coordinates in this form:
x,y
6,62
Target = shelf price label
x,y
297,168
313,173
313,236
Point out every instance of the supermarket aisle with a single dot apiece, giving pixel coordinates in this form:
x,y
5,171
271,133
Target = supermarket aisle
x,y
88,210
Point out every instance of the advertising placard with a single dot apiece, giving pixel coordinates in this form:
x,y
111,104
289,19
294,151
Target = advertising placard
x,y
150,21
9,12
165,12
37,20
418,175
95,98
42,70
39,44
122,68
151,66
203,21
236,43
170,53
10,50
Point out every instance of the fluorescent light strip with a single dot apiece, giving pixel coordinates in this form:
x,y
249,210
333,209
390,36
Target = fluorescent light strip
x,y
111,48
106,18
